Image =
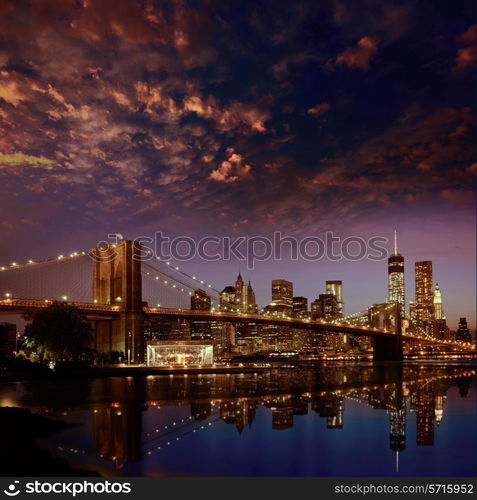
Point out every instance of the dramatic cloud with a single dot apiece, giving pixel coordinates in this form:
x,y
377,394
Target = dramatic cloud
x,y
232,169
467,56
147,114
359,56
319,109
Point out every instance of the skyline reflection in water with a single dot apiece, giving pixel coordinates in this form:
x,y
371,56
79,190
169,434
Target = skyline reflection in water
x,y
325,420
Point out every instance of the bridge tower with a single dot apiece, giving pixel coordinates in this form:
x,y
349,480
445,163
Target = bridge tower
x,y
117,281
389,317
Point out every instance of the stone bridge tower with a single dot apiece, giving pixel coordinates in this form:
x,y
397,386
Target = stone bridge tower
x,y
117,281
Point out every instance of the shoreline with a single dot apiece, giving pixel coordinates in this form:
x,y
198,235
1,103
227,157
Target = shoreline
x,y
104,371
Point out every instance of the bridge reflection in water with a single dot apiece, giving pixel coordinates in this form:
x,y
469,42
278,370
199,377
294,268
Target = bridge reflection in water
x,y
135,420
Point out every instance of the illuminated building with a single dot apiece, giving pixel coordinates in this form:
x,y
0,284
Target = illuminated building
x,y
439,329
412,311
156,328
463,332
200,301
424,300
438,310
246,338
220,338
325,307
336,288
241,338
227,299
396,277
240,298
282,299
439,326
251,302
240,294
282,293
179,353
300,307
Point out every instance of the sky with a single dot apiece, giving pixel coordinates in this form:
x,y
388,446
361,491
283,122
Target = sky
x,y
220,118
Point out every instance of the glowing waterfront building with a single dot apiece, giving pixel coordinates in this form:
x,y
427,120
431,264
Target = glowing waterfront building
x,y
396,278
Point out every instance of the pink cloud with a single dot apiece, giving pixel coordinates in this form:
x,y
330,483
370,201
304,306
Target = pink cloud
x,y
467,56
359,57
244,116
319,109
232,169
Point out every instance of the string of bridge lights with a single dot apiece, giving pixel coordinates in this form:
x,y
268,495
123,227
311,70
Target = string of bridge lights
x,y
175,287
349,317
175,423
182,436
172,426
33,263
187,275
183,283
63,257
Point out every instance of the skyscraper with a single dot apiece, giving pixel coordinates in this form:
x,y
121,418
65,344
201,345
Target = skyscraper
x,y
424,301
336,288
241,294
240,298
437,302
200,301
251,302
396,277
300,307
463,332
282,293
228,301
282,299
325,306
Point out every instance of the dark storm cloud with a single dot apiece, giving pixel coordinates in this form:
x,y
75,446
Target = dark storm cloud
x,y
210,116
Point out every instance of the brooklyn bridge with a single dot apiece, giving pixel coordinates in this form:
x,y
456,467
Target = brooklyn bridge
x,y
118,310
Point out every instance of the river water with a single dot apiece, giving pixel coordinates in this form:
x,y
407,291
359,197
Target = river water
x,y
419,419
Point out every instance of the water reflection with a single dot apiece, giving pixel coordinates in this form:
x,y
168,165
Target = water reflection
x,y
121,428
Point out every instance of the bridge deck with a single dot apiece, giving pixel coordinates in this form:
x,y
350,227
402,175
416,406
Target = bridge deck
x,y
108,311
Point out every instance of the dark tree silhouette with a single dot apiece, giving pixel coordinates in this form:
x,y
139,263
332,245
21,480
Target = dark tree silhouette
x,y
60,332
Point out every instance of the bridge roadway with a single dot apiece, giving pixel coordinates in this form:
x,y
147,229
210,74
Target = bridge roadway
x,y
108,311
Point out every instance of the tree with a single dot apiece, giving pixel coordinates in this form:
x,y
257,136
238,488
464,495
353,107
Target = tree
x,y
60,332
